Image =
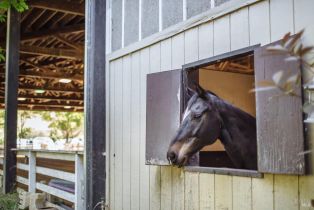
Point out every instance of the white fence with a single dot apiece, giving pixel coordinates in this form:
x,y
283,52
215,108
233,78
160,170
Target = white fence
x,y
32,169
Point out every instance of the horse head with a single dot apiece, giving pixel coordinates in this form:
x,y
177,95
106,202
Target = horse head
x,y
200,126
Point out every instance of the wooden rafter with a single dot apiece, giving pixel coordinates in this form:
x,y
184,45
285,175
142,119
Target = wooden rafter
x,y
60,6
52,98
54,52
70,43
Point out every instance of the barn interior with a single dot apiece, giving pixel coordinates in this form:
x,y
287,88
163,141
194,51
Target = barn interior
x,y
232,79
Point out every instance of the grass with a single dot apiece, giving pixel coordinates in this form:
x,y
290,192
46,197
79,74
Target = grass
x,y
9,201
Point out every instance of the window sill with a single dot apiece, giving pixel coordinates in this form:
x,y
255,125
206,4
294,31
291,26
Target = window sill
x,y
225,171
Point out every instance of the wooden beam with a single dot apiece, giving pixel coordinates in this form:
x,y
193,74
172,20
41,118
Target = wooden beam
x,y
52,89
52,98
54,52
52,32
11,103
60,6
69,43
95,104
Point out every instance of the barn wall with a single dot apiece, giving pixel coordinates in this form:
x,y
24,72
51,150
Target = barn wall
x,y
134,185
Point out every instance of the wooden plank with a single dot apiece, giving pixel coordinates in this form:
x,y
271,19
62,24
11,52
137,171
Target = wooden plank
x,y
206,40
22,180
95,103
112,141
56,173
32,172
241,193
11,103
54,52
144,169
177,182
303,14
126,131
166,187
178,186
284,24
165,52
279,119
56,192
191,45
59,6
177,56
166,176
286,192
207,191
239,26
154,171
306,190
223,192
79,183
118,134
263,192
192,197
259,23
135,132
222,35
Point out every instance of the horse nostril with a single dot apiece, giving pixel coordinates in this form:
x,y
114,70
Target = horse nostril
x,y
172,157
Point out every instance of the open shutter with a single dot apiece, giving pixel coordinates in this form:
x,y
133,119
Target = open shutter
x,y
280,133
163,109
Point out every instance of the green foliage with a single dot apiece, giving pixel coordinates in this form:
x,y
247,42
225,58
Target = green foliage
x,y
64,125
24,132
9,201
18,5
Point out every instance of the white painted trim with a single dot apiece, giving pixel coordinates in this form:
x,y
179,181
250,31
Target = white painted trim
x,y
79,182
56,173
56,192
1,172
22,180
184,7
122,24
160,14
139,20
31,172
210,15
212,4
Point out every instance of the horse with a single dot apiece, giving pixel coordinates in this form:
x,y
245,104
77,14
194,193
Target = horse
x,y
207,118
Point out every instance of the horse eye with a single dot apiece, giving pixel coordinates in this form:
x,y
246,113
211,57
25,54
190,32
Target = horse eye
x,y
197,116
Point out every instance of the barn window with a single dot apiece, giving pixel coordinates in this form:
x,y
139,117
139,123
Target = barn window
x,y
280,141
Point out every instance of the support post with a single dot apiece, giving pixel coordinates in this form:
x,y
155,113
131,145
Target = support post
x,y
79,182
32,172
11,90
95,103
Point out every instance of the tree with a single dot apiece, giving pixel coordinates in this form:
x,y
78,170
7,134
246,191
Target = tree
x,y
19,5
24,132
64,125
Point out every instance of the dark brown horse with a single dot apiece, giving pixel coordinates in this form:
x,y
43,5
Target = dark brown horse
x,y
208,118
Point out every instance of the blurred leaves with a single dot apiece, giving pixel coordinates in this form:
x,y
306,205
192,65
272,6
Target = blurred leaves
x,y
284,80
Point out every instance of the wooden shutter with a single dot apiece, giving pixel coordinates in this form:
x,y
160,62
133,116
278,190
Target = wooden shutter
x,y
280,133
162,114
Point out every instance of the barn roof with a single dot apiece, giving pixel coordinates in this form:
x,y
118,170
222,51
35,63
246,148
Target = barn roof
x,y
51,56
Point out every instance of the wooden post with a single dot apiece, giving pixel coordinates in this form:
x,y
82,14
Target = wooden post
x,y
95,102
79,182
31,172
11,90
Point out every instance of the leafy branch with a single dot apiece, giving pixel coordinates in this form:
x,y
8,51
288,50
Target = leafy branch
x,y
287,82
18,5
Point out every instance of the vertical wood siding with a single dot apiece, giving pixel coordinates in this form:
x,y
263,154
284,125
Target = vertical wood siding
x,y
134,185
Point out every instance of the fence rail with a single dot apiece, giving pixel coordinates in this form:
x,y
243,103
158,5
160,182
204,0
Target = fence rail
x,y
32,169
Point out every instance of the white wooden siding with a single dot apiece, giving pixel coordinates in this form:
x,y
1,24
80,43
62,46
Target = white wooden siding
x,y
134,185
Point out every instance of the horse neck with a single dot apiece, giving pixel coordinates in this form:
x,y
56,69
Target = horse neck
x,y
233,121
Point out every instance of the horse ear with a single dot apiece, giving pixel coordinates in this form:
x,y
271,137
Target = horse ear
x,y
190,92
200,91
